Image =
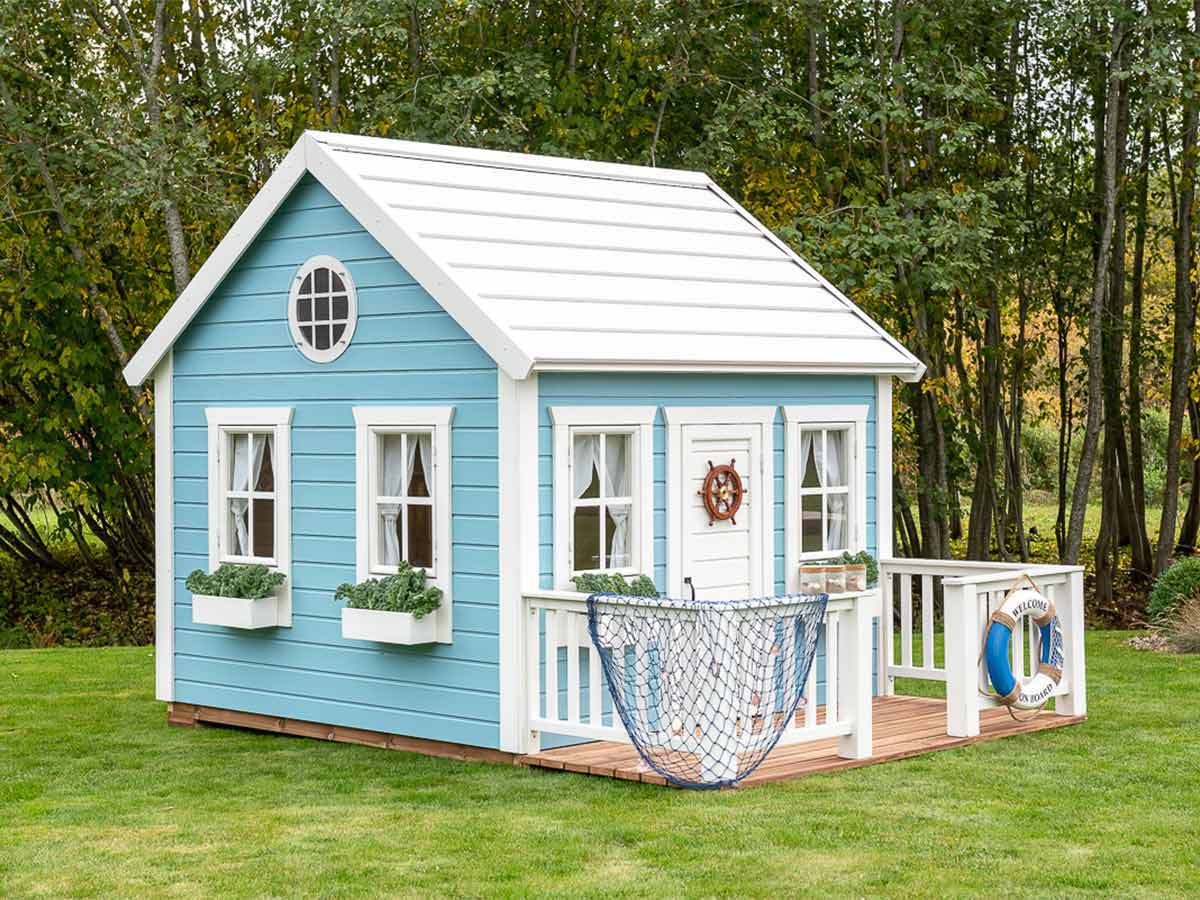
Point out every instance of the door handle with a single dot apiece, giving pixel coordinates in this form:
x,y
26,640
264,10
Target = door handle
x,y
691,587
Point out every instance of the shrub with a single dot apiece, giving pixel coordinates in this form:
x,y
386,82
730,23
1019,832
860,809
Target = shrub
x,y
1180,583
404,592
88,602
1183,627
236,580
863,558
598,583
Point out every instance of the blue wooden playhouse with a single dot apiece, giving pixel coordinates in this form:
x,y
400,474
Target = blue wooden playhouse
x,y
509,370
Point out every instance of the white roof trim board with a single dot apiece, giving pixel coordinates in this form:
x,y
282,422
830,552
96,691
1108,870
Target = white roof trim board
x,y
570,265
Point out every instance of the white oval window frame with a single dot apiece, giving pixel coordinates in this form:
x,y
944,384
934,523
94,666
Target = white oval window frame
x,y
339,347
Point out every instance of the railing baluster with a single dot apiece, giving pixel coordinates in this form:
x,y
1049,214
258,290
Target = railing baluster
x,y
533,662
927,620
831,666
572,644
552,664
906,620
595,687
810,697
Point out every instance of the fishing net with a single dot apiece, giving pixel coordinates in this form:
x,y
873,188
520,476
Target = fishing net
x,y
705,689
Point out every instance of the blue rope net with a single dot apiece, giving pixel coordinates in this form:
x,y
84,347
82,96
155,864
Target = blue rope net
x,y
705,689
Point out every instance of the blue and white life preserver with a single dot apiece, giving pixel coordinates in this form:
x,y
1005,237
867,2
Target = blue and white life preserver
x,y
1034,691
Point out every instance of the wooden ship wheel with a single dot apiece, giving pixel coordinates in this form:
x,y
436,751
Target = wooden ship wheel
x,y
722,493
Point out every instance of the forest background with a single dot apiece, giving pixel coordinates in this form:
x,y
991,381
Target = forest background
x,y
1010,188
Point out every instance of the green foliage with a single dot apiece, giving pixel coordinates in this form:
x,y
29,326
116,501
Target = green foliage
x,y
599,583
863,558
247,582
404,592
1174,587
84,602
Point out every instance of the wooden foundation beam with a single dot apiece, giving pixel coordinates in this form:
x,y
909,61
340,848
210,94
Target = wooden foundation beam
x,y
187,714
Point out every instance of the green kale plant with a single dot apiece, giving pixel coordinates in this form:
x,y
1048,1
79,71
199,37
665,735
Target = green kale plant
x,y
599,583
404,592
247,582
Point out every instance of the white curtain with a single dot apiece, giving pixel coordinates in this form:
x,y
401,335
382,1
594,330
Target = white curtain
x,y
585,460
835,509
245,479
392,484
616,484
239,507
835,455
806,447
419,443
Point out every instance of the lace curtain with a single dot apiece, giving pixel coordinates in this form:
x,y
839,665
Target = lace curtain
x,y
399,466
585,464
244,477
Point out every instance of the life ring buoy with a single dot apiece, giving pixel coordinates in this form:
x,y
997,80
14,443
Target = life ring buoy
x,y
1034,691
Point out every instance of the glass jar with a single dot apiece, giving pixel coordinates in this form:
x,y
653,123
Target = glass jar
x,y
812,580
856,577
835,579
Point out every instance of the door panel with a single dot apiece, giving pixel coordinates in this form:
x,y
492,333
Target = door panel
x,y
723,559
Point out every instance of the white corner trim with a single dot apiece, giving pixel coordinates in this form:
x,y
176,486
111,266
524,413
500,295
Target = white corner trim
x,y
798,416
884,529
435,419
164,531
760,419
277,419
408,250
637,421
220,261
719,415
518,540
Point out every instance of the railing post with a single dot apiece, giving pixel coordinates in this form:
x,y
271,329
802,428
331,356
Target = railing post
x,y
886,684
963,634
1070,614
854,675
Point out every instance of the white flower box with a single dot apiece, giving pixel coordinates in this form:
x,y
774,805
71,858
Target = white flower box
x,y
388,627
234,612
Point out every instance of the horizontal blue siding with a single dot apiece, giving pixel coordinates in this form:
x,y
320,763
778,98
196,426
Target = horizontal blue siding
x,y
571,389
406,350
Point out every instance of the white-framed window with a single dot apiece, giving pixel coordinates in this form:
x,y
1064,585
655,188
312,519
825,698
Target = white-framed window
x,y
826,482
825,477
249,486
322,309
403,490
603,491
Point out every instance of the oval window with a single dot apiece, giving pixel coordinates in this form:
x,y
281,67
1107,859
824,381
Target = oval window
x,y
322,309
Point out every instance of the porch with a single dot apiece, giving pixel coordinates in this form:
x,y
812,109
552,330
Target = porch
x,y
924,623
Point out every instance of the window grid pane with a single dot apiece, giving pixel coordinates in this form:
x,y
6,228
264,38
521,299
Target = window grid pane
x,y
404,505
601,516
825,490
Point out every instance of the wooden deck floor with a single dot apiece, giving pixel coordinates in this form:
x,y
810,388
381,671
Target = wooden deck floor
x,y
904,727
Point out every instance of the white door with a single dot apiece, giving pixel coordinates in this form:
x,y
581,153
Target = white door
x,y
723,559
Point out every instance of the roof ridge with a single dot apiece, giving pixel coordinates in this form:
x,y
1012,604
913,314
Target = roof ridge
x,y
509,159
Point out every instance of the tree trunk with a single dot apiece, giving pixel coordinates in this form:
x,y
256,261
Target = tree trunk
x,y
1190,529
1139,539
1091,434
1184,312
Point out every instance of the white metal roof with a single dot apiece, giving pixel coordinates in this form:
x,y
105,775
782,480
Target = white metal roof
x,y
558,264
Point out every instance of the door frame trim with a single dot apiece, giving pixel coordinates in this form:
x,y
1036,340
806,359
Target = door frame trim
x,y
678,416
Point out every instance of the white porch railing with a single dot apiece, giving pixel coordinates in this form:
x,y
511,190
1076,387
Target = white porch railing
x,y
566,694
955,600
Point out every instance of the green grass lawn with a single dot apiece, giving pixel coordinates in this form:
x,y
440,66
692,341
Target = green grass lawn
x,y
98,796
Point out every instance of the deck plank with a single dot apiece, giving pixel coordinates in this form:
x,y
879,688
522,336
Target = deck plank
x,y
904,727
